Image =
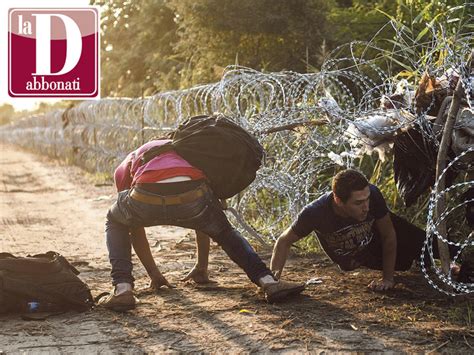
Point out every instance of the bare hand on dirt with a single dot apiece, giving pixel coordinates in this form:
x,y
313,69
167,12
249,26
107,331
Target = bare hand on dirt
x,y
381,285
199,276
159,280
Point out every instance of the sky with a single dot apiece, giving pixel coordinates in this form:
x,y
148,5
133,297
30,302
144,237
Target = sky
x,y
5,5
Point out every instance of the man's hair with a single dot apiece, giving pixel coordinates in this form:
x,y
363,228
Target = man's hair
x,y
346,181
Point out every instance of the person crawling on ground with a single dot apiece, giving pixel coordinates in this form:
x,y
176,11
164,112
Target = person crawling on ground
x,y
355,228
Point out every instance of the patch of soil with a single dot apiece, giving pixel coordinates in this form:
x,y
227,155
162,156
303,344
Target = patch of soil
x,y
49,206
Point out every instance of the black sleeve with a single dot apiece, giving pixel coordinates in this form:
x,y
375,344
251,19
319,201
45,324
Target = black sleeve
x,y
379,208
307,220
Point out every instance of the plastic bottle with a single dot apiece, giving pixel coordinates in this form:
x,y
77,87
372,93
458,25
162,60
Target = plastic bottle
x,y
36,306
33,307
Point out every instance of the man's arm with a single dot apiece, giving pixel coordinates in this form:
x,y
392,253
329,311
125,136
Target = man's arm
x,y
281,250
199,273
142,248
386,230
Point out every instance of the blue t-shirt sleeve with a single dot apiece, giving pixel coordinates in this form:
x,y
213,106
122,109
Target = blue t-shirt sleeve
x,y
307,220
378,205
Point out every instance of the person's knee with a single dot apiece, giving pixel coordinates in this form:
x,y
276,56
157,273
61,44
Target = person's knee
x,y
219,227
221,235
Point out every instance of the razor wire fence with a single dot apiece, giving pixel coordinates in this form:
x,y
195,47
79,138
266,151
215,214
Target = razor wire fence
x,y
310,124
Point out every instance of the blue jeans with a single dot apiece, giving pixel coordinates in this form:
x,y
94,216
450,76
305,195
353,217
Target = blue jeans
x,y
203,214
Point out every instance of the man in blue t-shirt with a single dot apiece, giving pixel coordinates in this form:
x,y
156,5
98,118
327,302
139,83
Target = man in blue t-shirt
x,y
355,228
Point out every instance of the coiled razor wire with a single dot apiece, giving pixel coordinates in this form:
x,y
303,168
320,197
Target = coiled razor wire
x,y
432,233
308,123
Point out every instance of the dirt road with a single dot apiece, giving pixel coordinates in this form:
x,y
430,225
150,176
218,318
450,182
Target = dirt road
x,y
49,206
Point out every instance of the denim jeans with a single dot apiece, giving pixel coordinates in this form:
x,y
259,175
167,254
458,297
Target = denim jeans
x,y
203,214
410,240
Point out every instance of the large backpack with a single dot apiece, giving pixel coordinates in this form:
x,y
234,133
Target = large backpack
x,y
47,278
228,155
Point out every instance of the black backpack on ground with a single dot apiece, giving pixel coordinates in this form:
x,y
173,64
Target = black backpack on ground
x,y
45,279
228,155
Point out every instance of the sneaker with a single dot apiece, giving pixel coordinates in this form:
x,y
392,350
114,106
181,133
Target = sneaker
x,y
120,303
277,291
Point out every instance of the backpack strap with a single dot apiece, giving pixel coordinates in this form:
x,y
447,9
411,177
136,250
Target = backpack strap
x,y
156,151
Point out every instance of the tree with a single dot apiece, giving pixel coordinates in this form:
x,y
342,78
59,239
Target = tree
x,y
6,113
136,51
158,45
404,35
359,20
271,35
